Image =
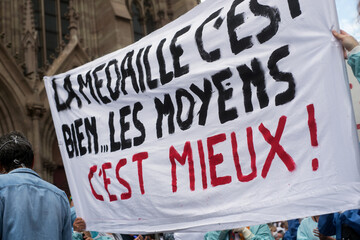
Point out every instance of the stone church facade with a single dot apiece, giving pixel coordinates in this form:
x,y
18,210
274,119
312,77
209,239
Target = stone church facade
x,y
47,37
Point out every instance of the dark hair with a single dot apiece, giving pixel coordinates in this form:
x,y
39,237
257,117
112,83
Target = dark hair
x,y
15,151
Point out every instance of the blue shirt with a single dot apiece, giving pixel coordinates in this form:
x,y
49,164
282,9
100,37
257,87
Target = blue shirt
x,y
31,208
330,224
291,233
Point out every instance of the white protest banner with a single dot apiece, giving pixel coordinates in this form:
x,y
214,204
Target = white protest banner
x,y
237,113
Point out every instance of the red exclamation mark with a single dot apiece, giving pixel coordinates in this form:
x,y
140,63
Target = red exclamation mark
x,y
313,133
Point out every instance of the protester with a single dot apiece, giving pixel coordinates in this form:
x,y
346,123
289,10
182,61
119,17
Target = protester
x,y
278,235
291,233
308,230
278,229
258,232
344,225
30,208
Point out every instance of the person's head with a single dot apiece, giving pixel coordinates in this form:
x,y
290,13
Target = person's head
x,y
15,152
284,225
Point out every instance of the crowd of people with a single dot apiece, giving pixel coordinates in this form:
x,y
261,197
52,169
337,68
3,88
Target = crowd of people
x,y
31,208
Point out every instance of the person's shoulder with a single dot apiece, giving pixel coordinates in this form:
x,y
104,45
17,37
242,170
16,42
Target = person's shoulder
x,y
51,187
4,180
9,179
34,179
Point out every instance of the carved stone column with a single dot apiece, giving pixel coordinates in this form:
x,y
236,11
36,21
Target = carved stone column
x,y
36,111
73,17
48,170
